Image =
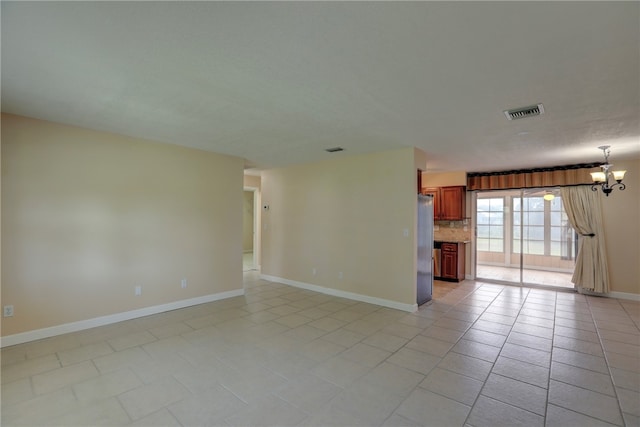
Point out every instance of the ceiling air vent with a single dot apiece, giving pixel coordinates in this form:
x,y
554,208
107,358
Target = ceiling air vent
x,y
521,113
334,149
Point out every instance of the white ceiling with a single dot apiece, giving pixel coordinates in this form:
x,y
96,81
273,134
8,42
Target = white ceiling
x,y
277,83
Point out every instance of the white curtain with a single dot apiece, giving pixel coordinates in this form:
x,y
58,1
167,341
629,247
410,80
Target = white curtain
x,y
583,207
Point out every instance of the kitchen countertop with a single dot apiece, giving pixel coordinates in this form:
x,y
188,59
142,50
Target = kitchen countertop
x,y
453,241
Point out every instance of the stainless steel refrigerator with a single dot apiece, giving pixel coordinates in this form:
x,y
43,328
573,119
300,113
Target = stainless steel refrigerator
x,y
425,249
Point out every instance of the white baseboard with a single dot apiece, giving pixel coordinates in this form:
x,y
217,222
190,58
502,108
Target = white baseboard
x,y
112,318
624,295
343,294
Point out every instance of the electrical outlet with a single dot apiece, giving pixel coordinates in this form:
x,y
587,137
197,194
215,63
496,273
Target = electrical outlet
x,y
138,290
183,283
465,228
314,271
8,311
405,232
340,275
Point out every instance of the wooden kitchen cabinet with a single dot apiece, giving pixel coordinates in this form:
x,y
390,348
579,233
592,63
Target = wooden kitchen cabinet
x,y
449,203
452,264
453,206
435,192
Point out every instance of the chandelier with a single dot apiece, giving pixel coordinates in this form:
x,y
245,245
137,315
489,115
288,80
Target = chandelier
x,y
602,179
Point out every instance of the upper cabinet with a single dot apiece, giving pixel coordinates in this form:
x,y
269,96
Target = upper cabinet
x,y
435,192
453,206
449,203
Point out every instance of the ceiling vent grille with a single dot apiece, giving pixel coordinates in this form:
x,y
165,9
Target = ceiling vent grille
x,y
334,149
521,113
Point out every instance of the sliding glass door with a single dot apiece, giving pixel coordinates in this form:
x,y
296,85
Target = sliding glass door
x,y
523,237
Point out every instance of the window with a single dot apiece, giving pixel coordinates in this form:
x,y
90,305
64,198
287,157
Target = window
x,y
533,225
490,222
545,227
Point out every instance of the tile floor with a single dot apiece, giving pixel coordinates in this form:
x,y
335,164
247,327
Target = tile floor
x,y
479,355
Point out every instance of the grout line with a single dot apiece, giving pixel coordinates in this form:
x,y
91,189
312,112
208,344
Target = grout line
x,y
606,359
553,338
484,382
450,305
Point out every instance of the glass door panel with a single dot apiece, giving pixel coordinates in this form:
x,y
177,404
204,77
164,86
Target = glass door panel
x,y
529,224
544,233
493,237
523,238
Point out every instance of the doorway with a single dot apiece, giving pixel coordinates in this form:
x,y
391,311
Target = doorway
x,y
249,218
524,238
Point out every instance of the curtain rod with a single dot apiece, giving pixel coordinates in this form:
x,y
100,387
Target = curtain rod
x,y
542,169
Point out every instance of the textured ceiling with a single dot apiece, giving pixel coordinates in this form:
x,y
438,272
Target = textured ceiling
x,y
277,83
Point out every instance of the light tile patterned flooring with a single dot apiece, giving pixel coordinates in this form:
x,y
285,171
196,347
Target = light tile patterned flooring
x,y
480,355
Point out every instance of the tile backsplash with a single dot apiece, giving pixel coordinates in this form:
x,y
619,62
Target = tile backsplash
x,y
451,231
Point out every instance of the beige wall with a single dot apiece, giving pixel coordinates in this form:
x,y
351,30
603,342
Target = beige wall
x,y
251,181
621,212
344,215
87,215
444,179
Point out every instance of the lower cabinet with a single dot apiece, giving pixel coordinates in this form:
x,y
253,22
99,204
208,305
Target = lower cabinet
x,y
451,261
